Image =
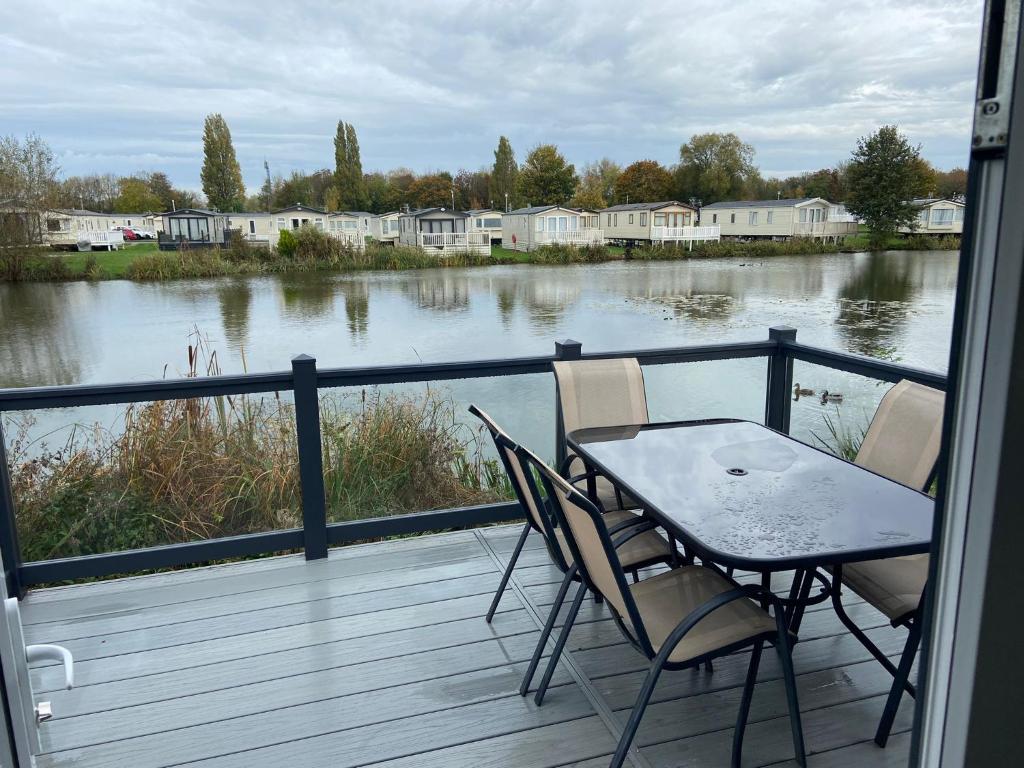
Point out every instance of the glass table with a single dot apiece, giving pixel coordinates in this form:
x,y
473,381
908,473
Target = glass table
x,y
746,497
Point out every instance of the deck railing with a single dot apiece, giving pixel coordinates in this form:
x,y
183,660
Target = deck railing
x,y
687,233
304,381
584,236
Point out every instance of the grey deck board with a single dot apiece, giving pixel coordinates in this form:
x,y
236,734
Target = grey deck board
x,y
379,655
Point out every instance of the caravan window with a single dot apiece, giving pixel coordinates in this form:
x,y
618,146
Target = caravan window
x,y
492,223
540,223
643,219
768,219
942,216
752,218
252,226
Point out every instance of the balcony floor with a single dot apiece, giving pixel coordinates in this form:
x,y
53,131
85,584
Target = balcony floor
x,y
380,656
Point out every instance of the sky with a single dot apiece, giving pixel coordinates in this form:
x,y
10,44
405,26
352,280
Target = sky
x,y
122,87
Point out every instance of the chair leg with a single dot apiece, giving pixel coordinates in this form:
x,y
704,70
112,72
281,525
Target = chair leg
x,y
563,636
642,699
508,572
785,652
899,682
874,650
524,687
748,694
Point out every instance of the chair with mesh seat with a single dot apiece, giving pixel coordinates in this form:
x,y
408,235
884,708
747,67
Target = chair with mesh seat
x,y
678,618
598,393
647,550
902,443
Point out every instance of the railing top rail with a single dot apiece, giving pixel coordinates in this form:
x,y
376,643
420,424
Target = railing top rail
x,y
863,365
63,396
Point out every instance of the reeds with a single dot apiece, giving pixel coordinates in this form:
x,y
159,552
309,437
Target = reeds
x,y
203,468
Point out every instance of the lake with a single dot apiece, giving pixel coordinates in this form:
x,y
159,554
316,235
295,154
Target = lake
x,y
895,304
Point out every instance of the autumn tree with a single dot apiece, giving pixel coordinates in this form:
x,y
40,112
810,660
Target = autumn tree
x,y
645,181
504,175
546,178
952,184
432,190
713,167
221,174
28,180
348,168
884,175
596,187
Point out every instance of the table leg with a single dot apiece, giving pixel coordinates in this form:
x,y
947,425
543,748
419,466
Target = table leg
x,y
798,610
766,582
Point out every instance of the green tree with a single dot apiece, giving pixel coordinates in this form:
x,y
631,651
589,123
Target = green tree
x,y
596,188
162,188
348,169
714,167
221,175
504,175
546,178
432,190
400,181
645,181
884,175
136,196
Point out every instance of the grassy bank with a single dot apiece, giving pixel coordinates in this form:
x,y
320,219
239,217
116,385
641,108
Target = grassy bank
x,y
312,250
187,470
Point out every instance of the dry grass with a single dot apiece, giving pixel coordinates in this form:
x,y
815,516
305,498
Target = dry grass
x,y
205,468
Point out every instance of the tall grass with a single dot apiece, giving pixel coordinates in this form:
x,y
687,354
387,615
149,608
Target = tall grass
x,y
840,439
564,253
204,468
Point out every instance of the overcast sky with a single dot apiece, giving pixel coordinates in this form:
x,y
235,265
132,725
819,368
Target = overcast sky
x,y
123,86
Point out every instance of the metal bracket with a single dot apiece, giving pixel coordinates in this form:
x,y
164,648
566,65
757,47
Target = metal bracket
x,y
995,79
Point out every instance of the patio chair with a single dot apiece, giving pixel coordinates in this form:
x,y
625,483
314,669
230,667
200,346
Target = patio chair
x,y
648,550
678,619
598,393
902,443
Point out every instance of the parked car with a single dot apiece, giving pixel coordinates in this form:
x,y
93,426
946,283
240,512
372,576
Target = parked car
x,y
129,234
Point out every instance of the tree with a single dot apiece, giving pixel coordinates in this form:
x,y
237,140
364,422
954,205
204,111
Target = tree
x,y
884,175
952,184
348,169
28,171
504,175
433,190
162,189
400,181
596,188
28,180
136,196
645,181
546,178
472,189
713,167
221,175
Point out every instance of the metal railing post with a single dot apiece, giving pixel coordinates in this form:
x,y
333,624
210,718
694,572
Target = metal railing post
x,y
564,350
778,399
10,549
311,461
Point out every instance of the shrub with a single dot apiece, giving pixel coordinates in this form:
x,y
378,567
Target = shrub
x,y
562,253
287,243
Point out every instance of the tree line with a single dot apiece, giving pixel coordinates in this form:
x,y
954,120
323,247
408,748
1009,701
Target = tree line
x,y
710,167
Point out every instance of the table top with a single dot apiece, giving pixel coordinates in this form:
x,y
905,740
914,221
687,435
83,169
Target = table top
x,y
747,496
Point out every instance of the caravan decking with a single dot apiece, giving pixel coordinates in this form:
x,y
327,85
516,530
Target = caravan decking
x,y
380,655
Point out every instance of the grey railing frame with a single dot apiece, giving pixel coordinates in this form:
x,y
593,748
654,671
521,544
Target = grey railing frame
x,y
306,380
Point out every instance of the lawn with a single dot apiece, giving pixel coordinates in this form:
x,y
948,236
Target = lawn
x,y
113,263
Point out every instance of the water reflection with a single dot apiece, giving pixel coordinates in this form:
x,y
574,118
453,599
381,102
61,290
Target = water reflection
x,y
308,297
41,340
439,292
874,302
357,307
235,297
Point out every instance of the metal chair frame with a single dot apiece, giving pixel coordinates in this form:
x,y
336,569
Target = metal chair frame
x,y
640,640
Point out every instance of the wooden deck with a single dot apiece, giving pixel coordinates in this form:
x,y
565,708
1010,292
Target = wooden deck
x,y
380,656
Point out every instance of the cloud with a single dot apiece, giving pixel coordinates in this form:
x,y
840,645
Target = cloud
x,y
432,85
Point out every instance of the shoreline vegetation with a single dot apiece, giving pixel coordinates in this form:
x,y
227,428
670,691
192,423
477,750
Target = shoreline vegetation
x,y
311,250
186,470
